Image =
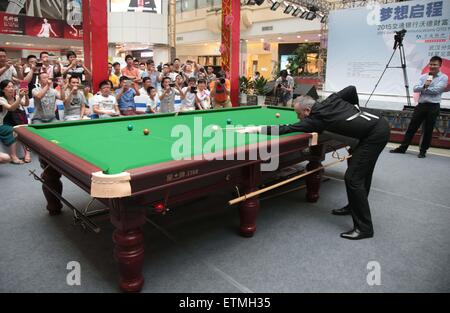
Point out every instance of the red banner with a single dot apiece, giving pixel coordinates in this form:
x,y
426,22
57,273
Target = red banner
x,y
73,32
41,27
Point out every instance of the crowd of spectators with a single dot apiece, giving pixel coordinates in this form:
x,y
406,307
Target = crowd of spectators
x,y
170,87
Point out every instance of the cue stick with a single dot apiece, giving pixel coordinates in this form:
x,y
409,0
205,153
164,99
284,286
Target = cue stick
x,y
287,181
82,217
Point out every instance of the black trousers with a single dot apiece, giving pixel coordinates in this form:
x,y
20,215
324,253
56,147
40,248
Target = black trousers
x,y
427,114
358,177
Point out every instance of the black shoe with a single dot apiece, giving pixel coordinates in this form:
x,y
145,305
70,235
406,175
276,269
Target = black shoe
x,y
422,155
398,150
342,211
356,234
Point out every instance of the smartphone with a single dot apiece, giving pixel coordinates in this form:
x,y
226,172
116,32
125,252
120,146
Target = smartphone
x,y
23,84
172,85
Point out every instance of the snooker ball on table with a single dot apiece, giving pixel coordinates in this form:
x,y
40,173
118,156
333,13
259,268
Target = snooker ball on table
x,y
277,115
130,127
229,121
146,132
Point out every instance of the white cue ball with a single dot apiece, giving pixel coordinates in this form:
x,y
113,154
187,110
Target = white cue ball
x,y
215,128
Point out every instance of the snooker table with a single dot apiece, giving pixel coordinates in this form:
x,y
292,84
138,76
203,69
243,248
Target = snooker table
x,y
131,172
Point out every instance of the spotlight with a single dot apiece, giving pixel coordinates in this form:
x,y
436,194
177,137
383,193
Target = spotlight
x,y
311,16
297,11
288,9
323,17
251,2
259,2
304,14
275,5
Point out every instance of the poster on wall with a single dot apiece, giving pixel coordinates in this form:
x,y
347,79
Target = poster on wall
x,y
358,55
21,17
44,28
149,6
11,24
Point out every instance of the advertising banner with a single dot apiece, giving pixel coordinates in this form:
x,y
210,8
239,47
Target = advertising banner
x,y
361,42
47,19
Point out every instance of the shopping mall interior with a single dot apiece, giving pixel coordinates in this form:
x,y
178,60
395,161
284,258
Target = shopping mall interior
x,y
224,146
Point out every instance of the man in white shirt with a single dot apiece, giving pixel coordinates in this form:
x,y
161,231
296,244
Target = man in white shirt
x,y
188,97
204,100
8,69
147,82
104,103
153,102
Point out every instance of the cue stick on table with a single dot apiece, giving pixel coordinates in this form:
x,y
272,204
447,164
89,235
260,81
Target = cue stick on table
x,y
287,181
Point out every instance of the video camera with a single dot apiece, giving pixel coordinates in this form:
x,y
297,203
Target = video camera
x,y
398,37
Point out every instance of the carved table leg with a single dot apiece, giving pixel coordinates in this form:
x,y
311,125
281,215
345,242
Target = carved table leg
x,y
248,210
52,178
128,241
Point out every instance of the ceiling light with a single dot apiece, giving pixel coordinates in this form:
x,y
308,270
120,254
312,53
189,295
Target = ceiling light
x,y
310,16
275,5
297,11
288,9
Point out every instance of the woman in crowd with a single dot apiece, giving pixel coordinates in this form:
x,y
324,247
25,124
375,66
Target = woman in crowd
x,y
9,102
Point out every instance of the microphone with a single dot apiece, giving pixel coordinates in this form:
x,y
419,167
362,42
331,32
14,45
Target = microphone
x,y
428,81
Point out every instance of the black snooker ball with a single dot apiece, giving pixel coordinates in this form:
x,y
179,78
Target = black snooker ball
x,y
229,121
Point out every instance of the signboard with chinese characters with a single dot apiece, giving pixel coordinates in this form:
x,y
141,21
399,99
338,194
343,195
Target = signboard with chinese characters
x,y
361,42
11,24
148,6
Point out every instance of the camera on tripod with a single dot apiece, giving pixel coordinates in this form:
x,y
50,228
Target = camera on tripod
x,y
398,37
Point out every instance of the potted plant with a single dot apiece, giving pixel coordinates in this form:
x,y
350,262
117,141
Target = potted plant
x,y
260,86
297,62
244,86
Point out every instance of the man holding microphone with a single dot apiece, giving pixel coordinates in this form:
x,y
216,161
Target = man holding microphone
x,y
431,86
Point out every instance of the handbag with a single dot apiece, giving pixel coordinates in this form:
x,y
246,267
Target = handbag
x,y
16,117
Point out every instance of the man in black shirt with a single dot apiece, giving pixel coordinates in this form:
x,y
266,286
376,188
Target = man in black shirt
x,y
340,114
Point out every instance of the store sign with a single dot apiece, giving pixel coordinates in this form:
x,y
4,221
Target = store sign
x,y
148,6
55,19
11,24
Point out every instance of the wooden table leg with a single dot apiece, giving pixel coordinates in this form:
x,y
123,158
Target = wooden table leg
x,y
128,241
248,210
313,180
52,179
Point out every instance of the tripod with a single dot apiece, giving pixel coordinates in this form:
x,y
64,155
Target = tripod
x,y
398,44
